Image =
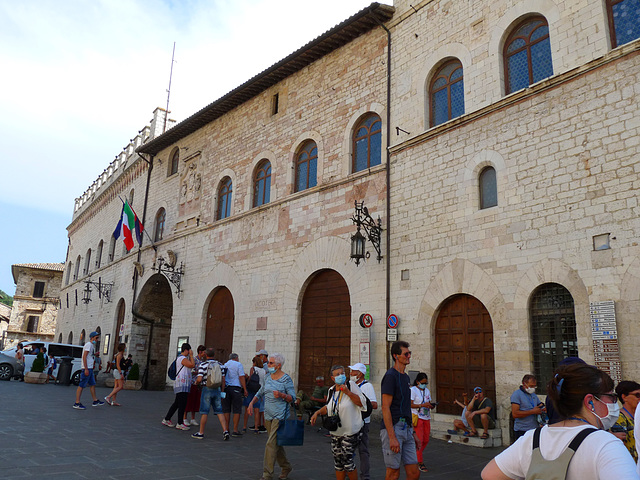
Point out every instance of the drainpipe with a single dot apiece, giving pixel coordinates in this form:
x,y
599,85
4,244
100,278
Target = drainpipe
x,y
388,175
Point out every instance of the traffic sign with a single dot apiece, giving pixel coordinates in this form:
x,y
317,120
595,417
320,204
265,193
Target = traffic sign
x,y
392,321
392,335
366,320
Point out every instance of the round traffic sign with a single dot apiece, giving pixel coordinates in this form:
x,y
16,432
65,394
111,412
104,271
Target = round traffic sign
x,y
366,320
392,321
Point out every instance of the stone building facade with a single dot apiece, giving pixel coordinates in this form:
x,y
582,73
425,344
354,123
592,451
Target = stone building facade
x,y
35,303
507,184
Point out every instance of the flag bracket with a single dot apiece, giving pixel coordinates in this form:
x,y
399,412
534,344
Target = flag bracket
x,y
169,270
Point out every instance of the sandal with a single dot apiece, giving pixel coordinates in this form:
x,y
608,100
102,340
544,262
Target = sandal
x,y
484,436
471,434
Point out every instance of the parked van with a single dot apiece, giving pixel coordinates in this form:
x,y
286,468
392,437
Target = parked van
x,y
57,350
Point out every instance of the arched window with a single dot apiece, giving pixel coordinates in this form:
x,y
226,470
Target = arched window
x,y
161,216
488,188
112,248
224,198
624,21
60,338
99,254
447,93
82,337
131,196
307,166
87,263
367,143
77,272
553,329
262,184
527,54
70,338
69,267
173,162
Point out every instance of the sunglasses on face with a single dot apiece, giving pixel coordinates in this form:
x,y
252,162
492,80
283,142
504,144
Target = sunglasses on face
x,y
407,354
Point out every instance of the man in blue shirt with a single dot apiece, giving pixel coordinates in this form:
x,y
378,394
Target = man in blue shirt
x,y
235,386
525,407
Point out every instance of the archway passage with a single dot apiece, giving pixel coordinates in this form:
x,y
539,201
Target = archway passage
x,y
152,313
220,319
325,334
464,352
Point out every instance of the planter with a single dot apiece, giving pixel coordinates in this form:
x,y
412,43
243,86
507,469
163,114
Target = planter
x,y
132,384
35,377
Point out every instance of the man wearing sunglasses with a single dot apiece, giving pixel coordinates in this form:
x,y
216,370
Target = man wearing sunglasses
x,y
629,394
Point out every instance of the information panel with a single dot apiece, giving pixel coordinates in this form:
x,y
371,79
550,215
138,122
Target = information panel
x,y
604,333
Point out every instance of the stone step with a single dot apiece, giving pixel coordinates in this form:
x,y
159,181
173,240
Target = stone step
x,y
440,423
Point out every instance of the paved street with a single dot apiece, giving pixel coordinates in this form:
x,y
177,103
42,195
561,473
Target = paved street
x,y
44,437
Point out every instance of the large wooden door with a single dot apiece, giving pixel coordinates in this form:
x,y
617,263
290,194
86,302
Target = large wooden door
x,y
219,329
464,352
325,335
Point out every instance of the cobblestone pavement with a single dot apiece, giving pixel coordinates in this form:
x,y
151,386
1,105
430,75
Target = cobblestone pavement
x,y
44,437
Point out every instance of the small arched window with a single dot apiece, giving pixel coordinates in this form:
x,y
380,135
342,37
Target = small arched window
x,y
99,254
69,267
76,274
82,337
553,329
307,166
161,216
87,263
131,196
624,21
367,143
527,54
60,338
262,184
447,93
112,248
224,198
488,188
173,162
70,338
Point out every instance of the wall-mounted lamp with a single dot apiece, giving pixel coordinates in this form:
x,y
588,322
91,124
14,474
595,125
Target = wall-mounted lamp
x,y
373,230
169,270
104,290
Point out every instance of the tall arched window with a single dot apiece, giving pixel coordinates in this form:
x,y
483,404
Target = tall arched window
x,y
553,329
161,216
112,248
131,196
70,338
262,184
87,263
99,254
447,93
307,166
624,21
367,143
82,337
224,198
60,338
527,54
173,162
69,267
76,274
488,188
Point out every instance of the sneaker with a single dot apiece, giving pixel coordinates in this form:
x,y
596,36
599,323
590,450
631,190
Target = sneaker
x,y
193,422
236,434
422,468
262,429
182,426
168,423
197,436
225,435
186,422
79,406
97,403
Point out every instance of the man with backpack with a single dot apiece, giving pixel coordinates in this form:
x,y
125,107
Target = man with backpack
x,y
358,372
211,375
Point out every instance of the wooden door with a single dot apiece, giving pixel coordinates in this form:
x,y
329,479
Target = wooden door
x,y
219,328
325,335
464,352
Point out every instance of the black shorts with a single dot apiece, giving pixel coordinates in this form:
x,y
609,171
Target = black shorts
x,y
232,400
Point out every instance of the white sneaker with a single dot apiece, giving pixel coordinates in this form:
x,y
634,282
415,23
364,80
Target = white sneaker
x,y
168,423
181,426
186,422
193,422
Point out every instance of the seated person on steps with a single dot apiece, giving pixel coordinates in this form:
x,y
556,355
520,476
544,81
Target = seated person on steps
x,y
317,399
480,413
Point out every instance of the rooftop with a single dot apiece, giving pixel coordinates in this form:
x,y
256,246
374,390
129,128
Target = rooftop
x,y
54,267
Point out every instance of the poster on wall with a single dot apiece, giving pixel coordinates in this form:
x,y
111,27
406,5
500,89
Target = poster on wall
x,y
105,346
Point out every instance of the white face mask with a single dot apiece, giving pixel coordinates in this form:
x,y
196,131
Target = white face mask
x,y
530,390
612,415
354,378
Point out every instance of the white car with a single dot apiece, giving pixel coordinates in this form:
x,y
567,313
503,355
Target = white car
x,y
57,350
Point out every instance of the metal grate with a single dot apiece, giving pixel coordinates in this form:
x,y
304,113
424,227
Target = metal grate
x,y
553,330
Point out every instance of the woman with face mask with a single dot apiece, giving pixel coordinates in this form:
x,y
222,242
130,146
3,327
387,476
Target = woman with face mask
x,y
583,395
346,400
278,392
421,407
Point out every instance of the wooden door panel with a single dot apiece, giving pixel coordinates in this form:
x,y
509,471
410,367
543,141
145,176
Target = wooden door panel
x,y
220,321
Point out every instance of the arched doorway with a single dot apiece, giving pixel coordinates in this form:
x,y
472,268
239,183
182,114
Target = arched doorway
x,y
118,334
219,327
325,333
152,323
464,351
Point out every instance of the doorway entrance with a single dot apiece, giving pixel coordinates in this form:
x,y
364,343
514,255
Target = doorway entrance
x,y
325,333
219,328
464,351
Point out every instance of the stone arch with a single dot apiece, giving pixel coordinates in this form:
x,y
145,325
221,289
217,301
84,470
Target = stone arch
x,y
468,187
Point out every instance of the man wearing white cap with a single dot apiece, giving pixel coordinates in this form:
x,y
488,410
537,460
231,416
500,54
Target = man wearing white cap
x,y
358,372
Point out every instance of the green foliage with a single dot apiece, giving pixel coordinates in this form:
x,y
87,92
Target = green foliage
x,y
134,372
6,299
38,363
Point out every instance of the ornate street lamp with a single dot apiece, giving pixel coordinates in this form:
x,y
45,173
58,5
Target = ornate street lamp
x,y
104,290
372,229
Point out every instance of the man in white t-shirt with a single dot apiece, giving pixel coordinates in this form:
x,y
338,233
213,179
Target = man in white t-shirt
x,y
358,372
235,386
86,374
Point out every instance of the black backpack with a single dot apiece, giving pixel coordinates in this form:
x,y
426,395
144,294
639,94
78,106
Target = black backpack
x,y
253,385
367,413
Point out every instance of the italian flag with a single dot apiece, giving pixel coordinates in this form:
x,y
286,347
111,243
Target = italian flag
x,y
127,224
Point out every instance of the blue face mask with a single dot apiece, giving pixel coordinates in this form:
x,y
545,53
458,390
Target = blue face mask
x,y
422,386
272,369
340,379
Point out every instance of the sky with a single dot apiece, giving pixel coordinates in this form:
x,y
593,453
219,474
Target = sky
x,y
80,78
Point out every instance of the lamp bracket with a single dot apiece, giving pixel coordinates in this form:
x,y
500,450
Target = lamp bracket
x,y
103,288
169,270
373,228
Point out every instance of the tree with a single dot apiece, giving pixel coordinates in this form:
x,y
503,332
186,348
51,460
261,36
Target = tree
x,y
6,299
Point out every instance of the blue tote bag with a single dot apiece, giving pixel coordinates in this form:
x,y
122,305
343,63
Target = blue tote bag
x,y
290,432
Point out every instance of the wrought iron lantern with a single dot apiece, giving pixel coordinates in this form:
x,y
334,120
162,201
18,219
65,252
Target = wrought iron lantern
x,y
169,270
104,290
372,229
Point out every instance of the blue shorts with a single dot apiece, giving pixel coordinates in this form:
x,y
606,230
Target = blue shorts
x,y
87,381
247,400
407,454
210,398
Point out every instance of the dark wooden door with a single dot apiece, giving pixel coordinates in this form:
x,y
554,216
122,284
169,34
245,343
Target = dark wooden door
x,y
464,352
325,335
219,329
119,322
